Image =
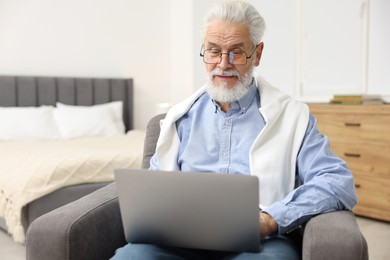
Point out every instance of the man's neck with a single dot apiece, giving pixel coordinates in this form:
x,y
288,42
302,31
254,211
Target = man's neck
x,y
225,106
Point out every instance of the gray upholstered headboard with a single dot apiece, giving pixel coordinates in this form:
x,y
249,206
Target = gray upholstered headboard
x,y
23,91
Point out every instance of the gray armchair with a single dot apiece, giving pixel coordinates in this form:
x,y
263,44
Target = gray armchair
x,y
91,227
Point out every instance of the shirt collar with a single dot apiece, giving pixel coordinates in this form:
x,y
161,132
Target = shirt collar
x,y
247,100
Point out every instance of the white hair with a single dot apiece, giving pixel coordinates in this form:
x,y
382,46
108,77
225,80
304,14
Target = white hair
x,y
238,12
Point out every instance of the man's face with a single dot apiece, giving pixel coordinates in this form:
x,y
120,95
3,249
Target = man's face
x,y
225,36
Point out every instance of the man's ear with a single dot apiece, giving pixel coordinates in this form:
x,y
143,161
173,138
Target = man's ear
x,y
259,51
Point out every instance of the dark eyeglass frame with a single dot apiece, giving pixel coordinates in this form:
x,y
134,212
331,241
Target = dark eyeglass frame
x,y
201,54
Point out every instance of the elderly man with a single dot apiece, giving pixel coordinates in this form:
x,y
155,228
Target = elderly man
x,y
238,124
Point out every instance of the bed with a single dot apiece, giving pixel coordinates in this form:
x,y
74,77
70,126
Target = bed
x,y
41,173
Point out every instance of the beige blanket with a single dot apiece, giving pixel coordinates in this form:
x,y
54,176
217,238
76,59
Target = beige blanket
x,y
32,169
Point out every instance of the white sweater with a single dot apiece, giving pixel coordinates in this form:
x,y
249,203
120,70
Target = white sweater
x,y
272,156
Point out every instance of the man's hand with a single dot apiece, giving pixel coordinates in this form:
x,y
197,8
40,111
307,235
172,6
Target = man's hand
x,y
267,224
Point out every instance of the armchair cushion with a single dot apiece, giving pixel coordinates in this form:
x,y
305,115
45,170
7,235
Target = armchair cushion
x,y
152,133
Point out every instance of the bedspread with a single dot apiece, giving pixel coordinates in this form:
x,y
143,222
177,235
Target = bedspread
x,y
32,169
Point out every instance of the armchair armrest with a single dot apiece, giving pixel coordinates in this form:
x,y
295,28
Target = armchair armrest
x,y
334,235
89,228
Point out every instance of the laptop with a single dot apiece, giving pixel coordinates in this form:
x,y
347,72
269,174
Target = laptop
x,y
190,210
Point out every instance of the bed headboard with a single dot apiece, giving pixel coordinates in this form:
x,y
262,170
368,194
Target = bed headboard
x,y
23,91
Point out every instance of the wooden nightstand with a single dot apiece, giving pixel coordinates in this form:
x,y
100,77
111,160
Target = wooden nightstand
x,y
360,134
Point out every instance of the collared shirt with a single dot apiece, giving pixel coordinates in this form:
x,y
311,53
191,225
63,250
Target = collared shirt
x,y
214,141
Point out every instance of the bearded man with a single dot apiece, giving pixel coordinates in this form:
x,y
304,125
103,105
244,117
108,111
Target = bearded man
x,y
239,124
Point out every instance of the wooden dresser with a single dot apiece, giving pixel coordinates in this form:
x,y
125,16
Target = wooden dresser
x,y
360,134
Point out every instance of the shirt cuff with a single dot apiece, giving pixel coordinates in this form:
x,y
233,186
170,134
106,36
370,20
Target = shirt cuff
x,y
287,219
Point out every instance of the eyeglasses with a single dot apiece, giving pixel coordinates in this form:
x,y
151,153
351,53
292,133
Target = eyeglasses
x,y
236,56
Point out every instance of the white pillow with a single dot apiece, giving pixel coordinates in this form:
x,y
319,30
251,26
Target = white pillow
x,y
98,120
27,123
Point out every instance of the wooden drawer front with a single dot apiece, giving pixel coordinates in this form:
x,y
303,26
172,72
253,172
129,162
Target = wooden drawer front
x,y
368,211
369,160
355,128
373,197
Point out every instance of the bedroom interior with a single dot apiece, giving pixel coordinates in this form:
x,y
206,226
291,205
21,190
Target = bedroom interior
x,y
90,52
70,133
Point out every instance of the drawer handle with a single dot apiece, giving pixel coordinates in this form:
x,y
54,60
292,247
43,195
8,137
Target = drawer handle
x,y
356,155
352,124
357,186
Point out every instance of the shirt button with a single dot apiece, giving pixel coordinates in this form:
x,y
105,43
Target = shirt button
x,y
285,221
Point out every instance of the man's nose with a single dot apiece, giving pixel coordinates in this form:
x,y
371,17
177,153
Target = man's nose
x,y
225,61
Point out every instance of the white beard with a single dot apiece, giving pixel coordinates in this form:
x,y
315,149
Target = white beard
x,y
224,94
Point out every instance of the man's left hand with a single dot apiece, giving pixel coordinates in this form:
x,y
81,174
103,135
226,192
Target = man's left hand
x,y
267,224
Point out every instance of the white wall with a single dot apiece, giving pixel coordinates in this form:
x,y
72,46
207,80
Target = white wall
x,y
378,47
287,60
156,43
92,38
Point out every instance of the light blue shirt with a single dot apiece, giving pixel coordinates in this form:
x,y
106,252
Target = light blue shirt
x,y
214,141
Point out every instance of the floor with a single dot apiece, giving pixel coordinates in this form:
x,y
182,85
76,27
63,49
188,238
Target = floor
x,y
377,234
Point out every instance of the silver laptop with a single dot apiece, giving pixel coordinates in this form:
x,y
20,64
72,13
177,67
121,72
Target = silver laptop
x,y
190,210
